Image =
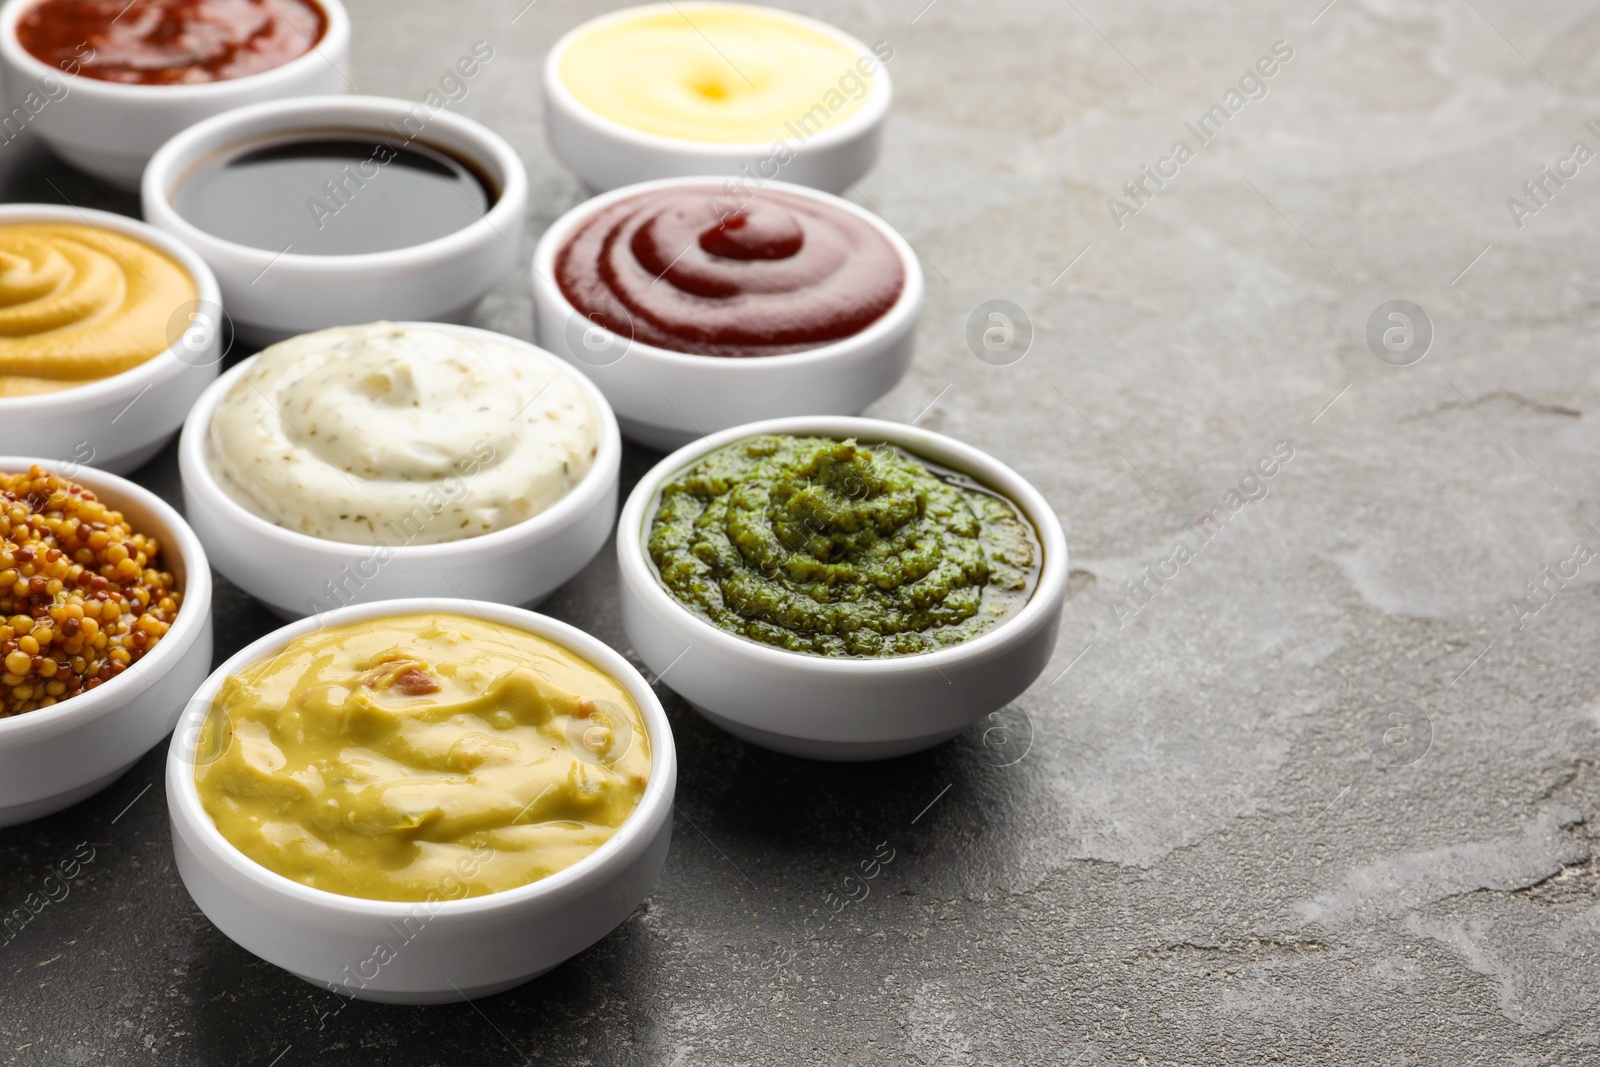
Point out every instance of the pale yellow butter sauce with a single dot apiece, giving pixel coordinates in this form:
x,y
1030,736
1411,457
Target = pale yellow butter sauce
x,y
406,758
717,72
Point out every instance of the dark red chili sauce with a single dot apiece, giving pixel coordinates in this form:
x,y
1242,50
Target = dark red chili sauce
x,y
170,42
693,270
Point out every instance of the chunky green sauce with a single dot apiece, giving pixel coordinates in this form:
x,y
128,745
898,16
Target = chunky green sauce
x,y
818,545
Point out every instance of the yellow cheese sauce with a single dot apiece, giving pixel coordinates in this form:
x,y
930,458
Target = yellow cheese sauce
x,y
715,72
79,303
406,758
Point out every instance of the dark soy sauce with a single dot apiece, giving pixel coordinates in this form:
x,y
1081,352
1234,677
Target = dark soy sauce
x,y
333,194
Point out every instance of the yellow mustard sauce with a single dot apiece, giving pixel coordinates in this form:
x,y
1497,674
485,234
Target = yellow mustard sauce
x,y
716,73
421,757
79,303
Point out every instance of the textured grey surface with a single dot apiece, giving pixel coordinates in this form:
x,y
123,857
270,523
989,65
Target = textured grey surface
x,y
1208,841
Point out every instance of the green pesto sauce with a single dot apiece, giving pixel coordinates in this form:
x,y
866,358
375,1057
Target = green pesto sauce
x,y
830,547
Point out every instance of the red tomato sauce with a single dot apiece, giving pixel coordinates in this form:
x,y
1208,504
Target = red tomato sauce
x,y
170,42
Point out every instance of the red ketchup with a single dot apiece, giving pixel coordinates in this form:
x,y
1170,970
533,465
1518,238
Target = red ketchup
x,y
170,42
692,270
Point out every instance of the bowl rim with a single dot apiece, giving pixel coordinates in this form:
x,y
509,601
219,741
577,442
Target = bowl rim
x,y
194,457
656,802
873,112
112,489
333,44
60,402
171,163
901,315
1047,595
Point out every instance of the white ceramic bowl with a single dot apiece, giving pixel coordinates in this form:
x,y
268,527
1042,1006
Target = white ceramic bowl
x,y
606,154
118,423
56,756
665,399
110,129
273,294
839,708
469,947
295,574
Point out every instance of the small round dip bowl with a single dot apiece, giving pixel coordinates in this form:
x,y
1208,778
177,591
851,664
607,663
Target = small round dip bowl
x,y
423,952
606,154
273,293
296,574
664,399
839,708
56,756
111,129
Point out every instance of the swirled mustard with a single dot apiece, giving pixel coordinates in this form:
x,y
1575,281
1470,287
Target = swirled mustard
x,y
421,757
79,303
730,73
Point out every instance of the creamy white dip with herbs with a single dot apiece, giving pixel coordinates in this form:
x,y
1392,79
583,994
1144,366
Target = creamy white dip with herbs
x,y
401,435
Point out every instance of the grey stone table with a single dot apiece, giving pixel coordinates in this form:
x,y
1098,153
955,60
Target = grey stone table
x,y
1321,786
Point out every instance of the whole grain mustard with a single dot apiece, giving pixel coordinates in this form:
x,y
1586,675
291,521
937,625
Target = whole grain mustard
x,y
82,594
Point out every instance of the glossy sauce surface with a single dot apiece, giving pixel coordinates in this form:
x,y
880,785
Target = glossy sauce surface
x,y
421,757
79,303
333,194
717,73
694,270
170,42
